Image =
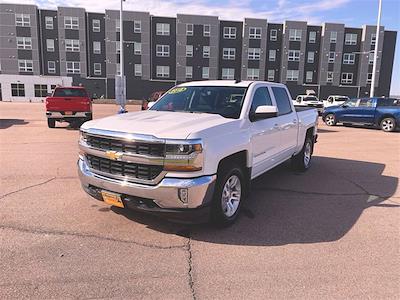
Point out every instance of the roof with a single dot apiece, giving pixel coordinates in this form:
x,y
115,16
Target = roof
x,y
232,83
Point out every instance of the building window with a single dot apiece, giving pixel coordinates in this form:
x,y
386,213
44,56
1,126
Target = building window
x,y
309,76
17,90
254,54
118,69
162,50
50,45
292,75
189,29
117,47
96,47
329,77
117,25
51,67
206,51
347,78
206,30
24,43
162,71
312,37
310,57
72,46
331,58
137,48
205,73
138,70
272,55
294,55
97,68
229,32
71,23
23,20
255,33
228,53
49,22
295,34
373,39
369,78
273,35
40,90
96,25
228,73
162,29
73,67
253,74
189,72
137,26
348,58
52,87
350,39
371,58
333,37
189,50
25,65
271,75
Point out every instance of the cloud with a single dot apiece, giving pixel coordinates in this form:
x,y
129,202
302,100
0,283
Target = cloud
x,y
273,10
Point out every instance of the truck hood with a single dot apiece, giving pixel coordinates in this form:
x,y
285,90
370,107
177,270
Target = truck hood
x,y
161,124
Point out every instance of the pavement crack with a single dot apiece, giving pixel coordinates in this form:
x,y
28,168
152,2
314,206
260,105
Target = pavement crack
x,y
188,248
88,236
27,187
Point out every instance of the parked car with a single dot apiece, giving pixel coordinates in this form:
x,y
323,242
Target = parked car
x,y
311,101
334,100
378,112
152,99
193,154
68,104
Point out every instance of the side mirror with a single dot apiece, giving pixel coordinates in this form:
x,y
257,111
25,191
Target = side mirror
x,y
264,112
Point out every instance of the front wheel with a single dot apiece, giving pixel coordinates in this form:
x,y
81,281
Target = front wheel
x,y
330,120
388,124
51,123
228,196
302,160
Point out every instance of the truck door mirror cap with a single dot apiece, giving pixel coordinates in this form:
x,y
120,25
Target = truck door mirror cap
x,y
265,112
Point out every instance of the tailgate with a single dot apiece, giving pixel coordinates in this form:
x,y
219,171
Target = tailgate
x,y
73,104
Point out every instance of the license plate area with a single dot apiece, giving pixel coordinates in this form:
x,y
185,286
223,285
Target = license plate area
x,y
112,198
68,113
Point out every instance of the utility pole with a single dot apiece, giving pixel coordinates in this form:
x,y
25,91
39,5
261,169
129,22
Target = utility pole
x,y
120,81
372,91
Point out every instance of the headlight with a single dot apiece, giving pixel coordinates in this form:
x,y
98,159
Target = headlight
x,y
185,156
82,136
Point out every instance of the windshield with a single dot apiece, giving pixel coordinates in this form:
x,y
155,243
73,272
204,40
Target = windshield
x,y
221,100
59,92
310,98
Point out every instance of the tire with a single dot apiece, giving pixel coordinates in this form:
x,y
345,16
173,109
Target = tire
x,y
330,120
228,196
302,161
51,123
388,124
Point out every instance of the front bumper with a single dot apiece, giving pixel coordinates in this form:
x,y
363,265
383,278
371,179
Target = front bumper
x,y
161,199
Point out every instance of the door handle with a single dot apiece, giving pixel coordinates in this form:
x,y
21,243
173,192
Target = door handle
x,y
294,121
276,126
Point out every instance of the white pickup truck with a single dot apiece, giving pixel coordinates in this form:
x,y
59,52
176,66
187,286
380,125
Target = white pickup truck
x,y
192,156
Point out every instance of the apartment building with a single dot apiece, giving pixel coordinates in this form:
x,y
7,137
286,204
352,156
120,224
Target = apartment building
x,y
72,45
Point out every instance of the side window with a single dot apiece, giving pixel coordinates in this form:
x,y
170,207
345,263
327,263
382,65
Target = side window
x,y
298,99
365,103
261,97
330,99
282,100
351,103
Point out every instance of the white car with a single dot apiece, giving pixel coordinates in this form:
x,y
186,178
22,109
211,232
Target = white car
x,y
193,155
311,101
334,100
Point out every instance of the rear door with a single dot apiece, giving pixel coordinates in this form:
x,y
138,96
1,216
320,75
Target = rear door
x,y
69,99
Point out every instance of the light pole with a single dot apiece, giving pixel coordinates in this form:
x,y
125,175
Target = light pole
x,y
373,79
120,82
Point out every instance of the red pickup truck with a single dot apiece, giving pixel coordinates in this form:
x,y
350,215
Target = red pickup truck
x,y
68,104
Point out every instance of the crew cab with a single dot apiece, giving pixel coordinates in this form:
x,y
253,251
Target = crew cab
x,y
334,100
378,112
68,104
311,101
191,157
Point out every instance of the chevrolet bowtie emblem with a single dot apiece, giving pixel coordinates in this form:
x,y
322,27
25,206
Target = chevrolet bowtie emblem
x,y
113,155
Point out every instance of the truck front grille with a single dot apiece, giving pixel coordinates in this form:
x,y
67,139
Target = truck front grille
x,y
120,168
151,149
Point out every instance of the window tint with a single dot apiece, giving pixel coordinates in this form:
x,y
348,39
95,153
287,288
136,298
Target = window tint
x,y
282,100
69,93
366,103
351,102
261,97
389,102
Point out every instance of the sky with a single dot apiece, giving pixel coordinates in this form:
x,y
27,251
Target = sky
x,y
353,13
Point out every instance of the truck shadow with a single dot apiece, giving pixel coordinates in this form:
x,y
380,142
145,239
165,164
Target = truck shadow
x,y
6,123
285,207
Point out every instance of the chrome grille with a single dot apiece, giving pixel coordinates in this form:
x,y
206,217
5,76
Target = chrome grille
x,y
121,168
143,148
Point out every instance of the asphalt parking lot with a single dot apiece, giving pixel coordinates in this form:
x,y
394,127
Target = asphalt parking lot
x,y
333,232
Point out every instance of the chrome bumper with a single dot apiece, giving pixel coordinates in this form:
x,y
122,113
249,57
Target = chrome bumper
x,y
56,114
166,194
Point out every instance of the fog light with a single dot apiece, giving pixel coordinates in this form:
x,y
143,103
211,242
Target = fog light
x,y
183,195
